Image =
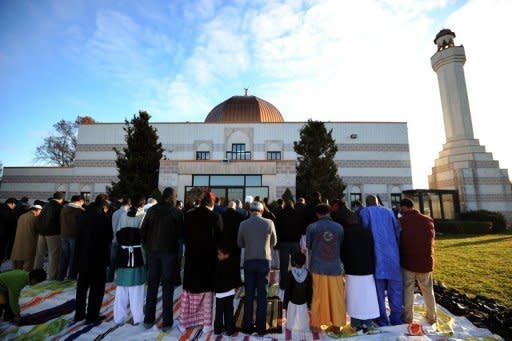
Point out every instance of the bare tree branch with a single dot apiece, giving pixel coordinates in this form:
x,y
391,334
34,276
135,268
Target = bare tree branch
x,y
60,148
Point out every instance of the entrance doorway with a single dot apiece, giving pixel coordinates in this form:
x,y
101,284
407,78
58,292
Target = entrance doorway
x,y
228,193
226,187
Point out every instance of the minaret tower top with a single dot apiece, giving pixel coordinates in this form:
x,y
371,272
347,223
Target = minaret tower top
x,y
448,63
444,39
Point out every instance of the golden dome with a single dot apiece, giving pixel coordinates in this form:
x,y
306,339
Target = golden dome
x,y
244,109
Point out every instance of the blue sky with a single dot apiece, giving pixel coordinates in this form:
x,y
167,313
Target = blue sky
x,y
364,60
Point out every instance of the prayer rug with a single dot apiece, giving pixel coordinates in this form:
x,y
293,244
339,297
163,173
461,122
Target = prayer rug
x,y
274,319
48,314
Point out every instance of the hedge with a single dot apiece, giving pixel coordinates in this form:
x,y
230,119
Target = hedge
x,y
499,223
463,227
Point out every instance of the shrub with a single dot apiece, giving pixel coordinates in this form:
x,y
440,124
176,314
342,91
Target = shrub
x,y
499,223
463,227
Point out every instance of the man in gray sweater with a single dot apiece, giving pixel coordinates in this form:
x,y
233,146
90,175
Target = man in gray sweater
x,y
257,235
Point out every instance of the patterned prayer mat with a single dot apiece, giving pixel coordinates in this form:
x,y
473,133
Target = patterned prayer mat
x,y
274,320
48,314
52,300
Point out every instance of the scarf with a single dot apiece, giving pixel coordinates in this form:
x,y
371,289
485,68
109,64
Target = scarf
x,y
299,274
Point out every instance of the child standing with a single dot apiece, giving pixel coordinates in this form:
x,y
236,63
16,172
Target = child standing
x,y
225,284
298,294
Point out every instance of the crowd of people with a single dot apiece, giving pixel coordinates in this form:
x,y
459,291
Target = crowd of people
x,y
332,261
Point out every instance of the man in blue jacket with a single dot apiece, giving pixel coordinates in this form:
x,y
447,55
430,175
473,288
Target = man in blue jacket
x,y
385,230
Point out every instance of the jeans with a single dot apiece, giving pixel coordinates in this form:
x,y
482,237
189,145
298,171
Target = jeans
x,y
256,274
67,259
161,268
286,249
393,289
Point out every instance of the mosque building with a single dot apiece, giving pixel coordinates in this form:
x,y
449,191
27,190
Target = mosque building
x,y
243,147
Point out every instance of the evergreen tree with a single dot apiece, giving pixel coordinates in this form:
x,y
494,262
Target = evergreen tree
x,y
316,170
287,195
138,163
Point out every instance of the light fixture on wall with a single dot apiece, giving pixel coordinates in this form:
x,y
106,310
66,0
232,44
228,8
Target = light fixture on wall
x,y
353,136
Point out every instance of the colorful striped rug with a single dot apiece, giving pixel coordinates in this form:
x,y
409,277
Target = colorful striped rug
x,y
43,297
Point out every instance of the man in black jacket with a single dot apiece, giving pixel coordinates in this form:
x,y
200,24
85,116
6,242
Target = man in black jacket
x,y
289,232
8,221
49,236
160,231
92,255
231,220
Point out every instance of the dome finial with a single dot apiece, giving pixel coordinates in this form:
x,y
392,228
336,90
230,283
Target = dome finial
x,y
444,39
246,89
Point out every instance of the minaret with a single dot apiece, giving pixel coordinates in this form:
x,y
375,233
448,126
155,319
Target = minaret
x,y
448,63
463,164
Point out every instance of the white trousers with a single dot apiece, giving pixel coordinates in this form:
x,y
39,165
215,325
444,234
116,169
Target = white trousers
x,y
133,296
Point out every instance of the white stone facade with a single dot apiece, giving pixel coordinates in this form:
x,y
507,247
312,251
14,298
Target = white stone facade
x,y
372,158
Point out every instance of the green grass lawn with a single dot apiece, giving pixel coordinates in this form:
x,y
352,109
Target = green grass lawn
x,y
476,265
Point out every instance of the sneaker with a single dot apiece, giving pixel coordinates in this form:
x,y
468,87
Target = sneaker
x,y
147,325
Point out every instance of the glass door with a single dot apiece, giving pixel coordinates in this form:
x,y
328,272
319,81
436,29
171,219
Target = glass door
x,y
220,192
235,193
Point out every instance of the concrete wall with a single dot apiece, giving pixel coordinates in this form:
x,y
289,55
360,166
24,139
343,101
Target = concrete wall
x,y
371,155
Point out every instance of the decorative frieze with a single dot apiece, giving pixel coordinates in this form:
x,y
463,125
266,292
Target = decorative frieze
x,y
400,180
58,179
373,163
95,163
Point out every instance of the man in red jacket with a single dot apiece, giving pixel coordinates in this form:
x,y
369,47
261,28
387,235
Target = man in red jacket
x,y
417,259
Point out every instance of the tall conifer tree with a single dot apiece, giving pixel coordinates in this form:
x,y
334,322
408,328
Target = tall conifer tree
x,y
316,169
139,162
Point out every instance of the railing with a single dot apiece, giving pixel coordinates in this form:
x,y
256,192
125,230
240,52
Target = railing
x,y
238,156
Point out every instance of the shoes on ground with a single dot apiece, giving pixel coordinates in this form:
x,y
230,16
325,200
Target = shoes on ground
x,y
166,329
79,318
97,319
247,331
